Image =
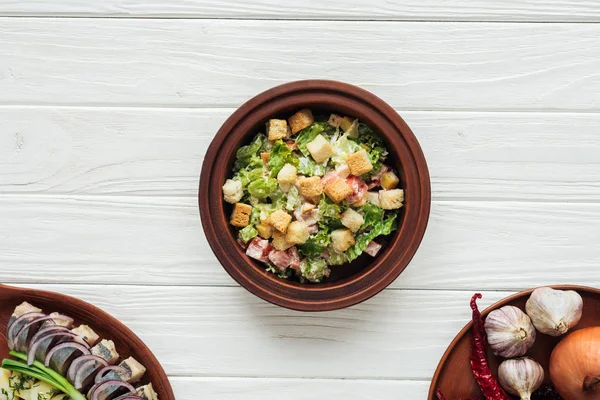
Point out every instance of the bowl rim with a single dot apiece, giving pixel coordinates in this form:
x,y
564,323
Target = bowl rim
x,y
305,94
500,303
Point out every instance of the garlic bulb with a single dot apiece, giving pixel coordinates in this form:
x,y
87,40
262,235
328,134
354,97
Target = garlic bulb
x,y
521,376
510,332
554,312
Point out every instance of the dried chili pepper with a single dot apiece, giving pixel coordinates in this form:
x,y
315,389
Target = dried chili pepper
x,y
489,386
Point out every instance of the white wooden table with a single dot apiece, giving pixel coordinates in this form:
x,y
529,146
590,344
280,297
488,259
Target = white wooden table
x,y
107,108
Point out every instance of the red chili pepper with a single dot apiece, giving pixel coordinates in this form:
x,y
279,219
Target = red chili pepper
x,y
489,386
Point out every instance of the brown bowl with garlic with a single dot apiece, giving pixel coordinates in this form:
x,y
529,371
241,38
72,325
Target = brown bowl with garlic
x,y
540,344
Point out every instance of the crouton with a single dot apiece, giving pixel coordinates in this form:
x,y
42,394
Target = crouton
x,y
320,149
287,174
346,123
310,187
277,129
297,233
391,199
360,202
338,190
232,191
389,180
352,220
343,170
279,220
240,216
265,157
341,240
279,241
373,197
359,163
335,120
301,120
264,231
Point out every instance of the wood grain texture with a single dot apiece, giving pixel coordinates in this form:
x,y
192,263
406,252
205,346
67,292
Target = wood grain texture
x,y
200,63
395,335
440,10
296,389
130,151
159,241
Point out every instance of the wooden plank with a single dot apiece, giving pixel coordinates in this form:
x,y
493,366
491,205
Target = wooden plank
x,y
159,241
159,152
296,389
228,332
438,10
200,63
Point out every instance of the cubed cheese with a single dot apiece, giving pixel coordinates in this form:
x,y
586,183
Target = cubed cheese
x,y
343,170
391,199
310,187
106,350
87,334
341,240
320,149
346,123
279,220
389,180
240,216
297,233
287,174
264,231
359,163
352,219
338,190
146,392
232,191
301,120
277,129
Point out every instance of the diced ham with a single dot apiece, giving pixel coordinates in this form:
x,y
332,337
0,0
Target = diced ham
x,y
259,249
292,145
294,258
373,248
307,213
312,229
329,178
376,179
359,189
280,258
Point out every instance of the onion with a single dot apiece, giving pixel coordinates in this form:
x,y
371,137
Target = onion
x,y
110,373
77,364
84,378
26,333
40,345
575,365
15,327
110,390
62,355
130,397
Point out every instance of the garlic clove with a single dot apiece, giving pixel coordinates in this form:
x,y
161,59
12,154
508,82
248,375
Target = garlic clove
x,y
554,312
521,376
509,331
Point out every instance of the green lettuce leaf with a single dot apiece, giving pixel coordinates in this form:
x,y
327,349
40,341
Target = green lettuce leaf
x,y
263,188
293,199
342,147
314,269
372,214
308,166
316,244
309,133
245,176
280,155
375,147
248,233
337,258
250,155
384,227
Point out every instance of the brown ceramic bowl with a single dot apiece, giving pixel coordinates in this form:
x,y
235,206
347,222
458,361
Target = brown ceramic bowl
x,y
349,284
126,342
453,375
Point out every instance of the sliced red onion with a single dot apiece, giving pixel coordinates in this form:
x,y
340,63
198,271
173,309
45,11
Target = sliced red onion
x,y
60,357
15,327
130,397
48,330
77,364
39,347
84,377
25,335
110,390
114,372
